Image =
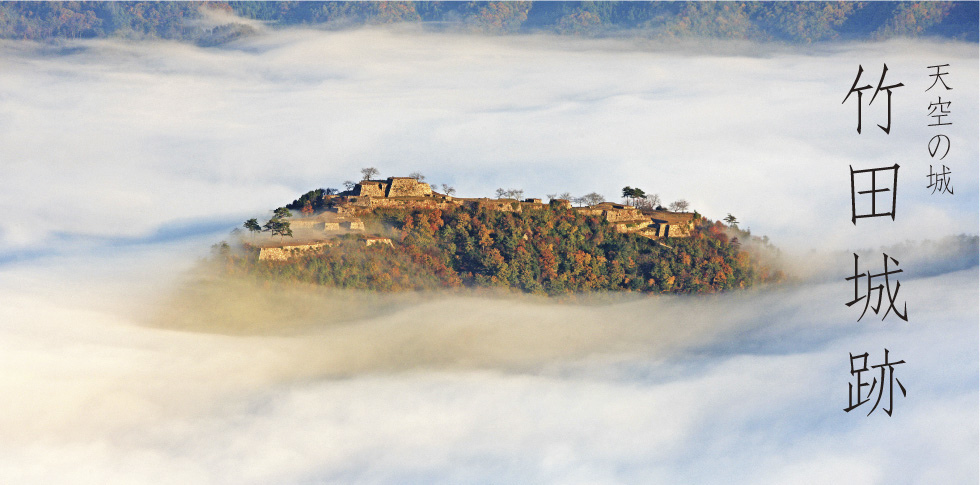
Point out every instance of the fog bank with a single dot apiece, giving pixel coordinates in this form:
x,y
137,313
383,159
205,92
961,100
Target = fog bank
x,y
123,162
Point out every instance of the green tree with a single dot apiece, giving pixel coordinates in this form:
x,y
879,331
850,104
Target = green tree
x,y
638,194
628,192
283,230
730,219
313,198
253,226
279,227
633,194
549,249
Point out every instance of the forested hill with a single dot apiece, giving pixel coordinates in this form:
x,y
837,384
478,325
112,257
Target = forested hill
x,y
552,249
212,23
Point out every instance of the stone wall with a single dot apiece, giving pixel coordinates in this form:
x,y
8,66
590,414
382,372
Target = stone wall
x,y
588,211
673,224
612,213
650,232
680,230
412,203
286,252
622,215
503,205
533,205
305,224
632,226
371,188
407,187
353,225
371,241
345,210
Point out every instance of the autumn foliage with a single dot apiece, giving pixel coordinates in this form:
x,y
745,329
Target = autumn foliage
x,y
552,251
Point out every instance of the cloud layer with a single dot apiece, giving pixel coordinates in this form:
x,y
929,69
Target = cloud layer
x,y
123,162
743,388
103,139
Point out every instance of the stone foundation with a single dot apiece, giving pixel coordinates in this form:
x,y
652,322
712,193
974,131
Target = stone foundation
x,y
286,252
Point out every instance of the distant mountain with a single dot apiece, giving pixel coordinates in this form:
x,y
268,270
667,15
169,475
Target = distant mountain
x,y
212,23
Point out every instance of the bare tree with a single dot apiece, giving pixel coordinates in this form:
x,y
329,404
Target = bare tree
x,y
349,185
369,173
649,202
654,200
565,196
510,193
593,198
417,176
679,205
448,190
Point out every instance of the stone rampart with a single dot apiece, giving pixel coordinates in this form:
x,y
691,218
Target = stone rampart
x,y
407,187
627,227
503,205
353,225
589,211
384,241
412,203
305,224
371,188
285,252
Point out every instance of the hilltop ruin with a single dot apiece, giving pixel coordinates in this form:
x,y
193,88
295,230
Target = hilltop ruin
x,y
406,192
344,212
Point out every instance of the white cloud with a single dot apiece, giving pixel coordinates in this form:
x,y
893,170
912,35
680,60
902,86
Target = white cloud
x,y
744,388
115,370
118,139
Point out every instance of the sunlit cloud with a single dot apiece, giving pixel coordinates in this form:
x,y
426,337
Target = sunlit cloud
x,y
365,388
123,162
110,139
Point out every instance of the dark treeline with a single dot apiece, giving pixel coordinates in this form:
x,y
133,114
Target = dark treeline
x,y
553,250
795,22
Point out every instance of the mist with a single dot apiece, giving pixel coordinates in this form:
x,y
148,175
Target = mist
x,y
124,362
128,139
746,387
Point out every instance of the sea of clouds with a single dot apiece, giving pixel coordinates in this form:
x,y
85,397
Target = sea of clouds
x,y
123,161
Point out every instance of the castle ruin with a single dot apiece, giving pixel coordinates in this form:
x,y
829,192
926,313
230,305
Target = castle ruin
x,y
346,208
